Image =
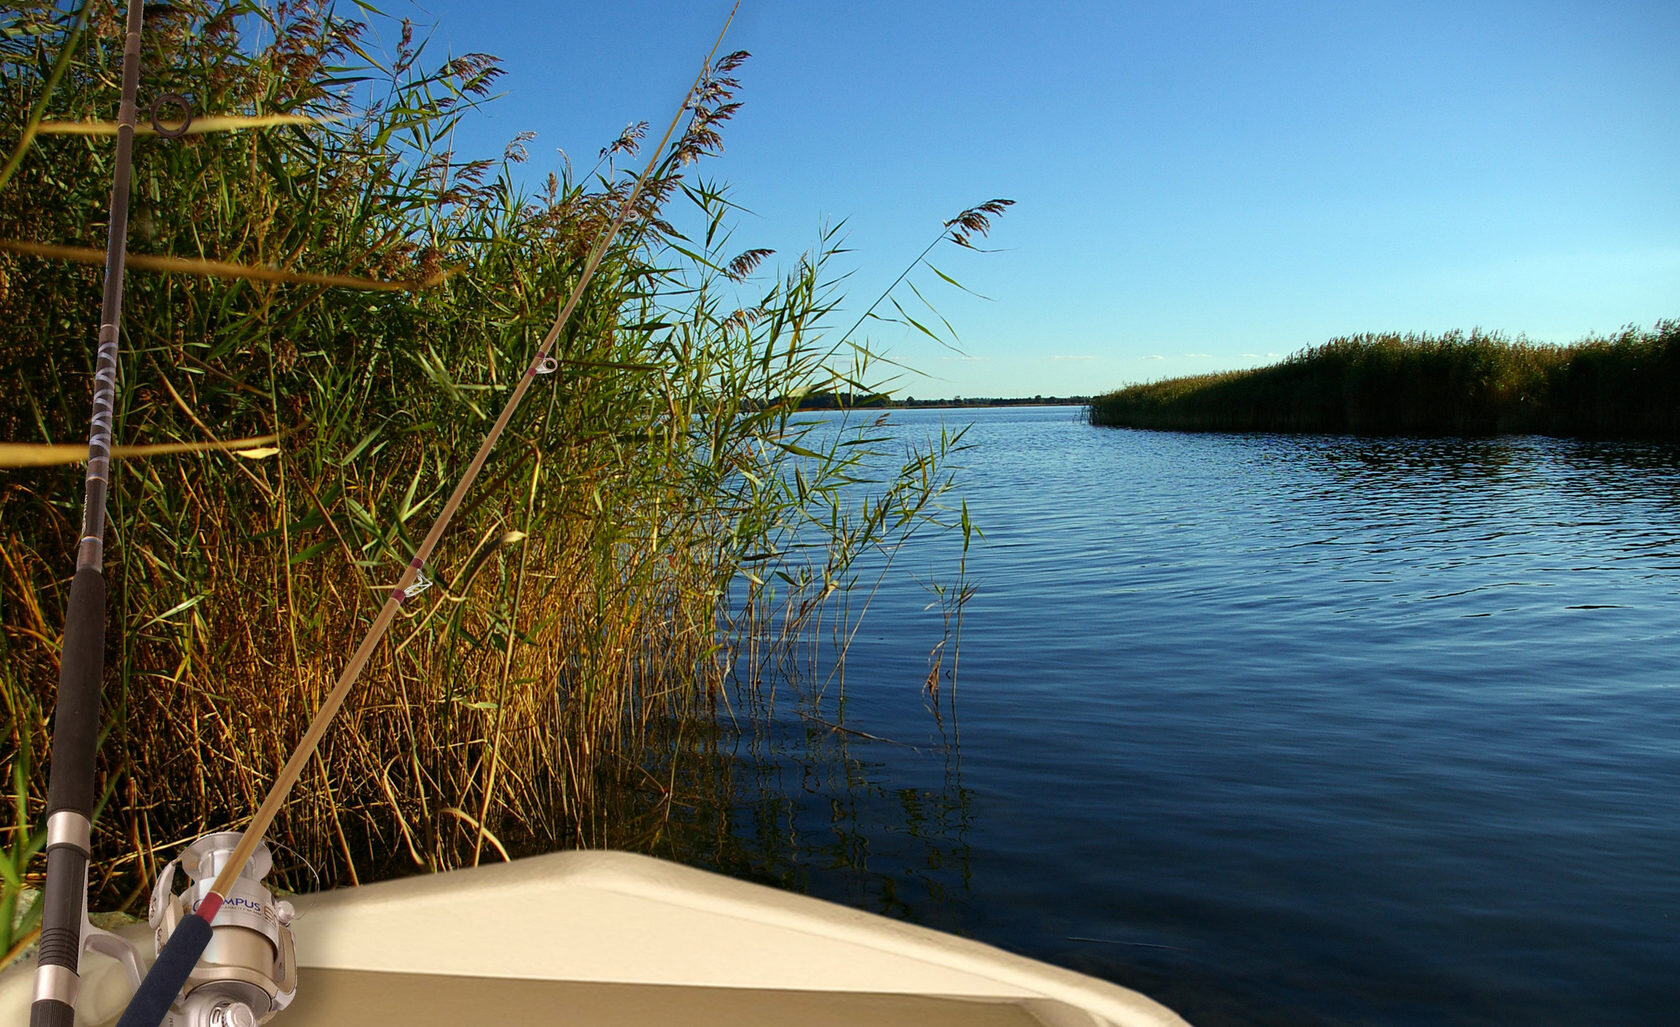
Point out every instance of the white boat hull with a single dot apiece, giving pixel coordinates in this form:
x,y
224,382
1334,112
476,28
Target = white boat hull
x,y
608,938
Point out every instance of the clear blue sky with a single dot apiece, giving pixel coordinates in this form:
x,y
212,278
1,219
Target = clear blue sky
x,y
1198,186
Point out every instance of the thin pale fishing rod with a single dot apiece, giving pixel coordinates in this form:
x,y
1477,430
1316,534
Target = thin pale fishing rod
x,y
180,954
82,660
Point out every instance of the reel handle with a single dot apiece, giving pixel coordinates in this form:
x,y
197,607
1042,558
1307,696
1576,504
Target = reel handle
x,y
168,975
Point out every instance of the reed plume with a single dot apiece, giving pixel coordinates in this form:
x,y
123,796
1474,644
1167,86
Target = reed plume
x,y
560,684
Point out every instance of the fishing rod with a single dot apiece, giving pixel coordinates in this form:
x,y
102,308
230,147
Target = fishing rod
x,y
65,930
192,931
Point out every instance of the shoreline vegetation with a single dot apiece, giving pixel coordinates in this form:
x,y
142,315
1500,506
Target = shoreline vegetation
x,y
1480,383
658,541
887,401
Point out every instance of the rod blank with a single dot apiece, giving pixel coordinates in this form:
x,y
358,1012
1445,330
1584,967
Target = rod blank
x,y
70,786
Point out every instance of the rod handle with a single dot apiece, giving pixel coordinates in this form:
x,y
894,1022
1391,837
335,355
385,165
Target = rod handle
x,y
50,1012
168,975
75,739
76,711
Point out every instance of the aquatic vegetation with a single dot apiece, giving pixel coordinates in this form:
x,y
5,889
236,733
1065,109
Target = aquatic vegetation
x,y
335,275
1626,384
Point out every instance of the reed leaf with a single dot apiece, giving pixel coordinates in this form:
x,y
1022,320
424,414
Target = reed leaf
x,y
372,290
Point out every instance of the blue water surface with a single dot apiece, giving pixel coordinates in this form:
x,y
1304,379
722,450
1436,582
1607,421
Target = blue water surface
x,y
1276,729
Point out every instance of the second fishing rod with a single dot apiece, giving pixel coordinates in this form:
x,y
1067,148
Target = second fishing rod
x,y
186,944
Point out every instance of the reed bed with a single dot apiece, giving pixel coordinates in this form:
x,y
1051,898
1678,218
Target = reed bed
x,y
1626,384
560,684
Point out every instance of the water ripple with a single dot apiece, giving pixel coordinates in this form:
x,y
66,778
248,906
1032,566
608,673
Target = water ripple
x,y
1321,729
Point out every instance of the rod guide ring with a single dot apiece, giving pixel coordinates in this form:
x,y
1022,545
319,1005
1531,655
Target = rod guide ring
x,y
180,104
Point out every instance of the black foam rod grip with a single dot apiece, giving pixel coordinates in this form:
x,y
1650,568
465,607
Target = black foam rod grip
x,y
50,1012
165,979
76,712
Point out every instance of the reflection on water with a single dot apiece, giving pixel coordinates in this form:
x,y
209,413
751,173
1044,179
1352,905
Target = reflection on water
x,y
1279,729
816,816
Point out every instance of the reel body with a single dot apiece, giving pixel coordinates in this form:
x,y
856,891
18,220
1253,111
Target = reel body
x,y
249,970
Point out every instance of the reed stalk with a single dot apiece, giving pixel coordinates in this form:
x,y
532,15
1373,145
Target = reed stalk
x,y
561,683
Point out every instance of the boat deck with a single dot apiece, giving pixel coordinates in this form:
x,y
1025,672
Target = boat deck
x,y
347,996
607,938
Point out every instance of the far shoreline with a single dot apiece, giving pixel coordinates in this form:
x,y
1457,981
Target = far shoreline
x,y
994,401
1481,383
828,401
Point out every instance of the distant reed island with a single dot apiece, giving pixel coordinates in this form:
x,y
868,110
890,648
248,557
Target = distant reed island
x,y
1453,384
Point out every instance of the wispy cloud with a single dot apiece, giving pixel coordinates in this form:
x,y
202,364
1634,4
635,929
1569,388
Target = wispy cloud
x,y
1154,356
1199,356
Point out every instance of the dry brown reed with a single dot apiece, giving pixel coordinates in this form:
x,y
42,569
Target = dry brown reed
x,y
558,686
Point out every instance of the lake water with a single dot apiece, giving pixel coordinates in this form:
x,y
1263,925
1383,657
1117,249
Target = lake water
x,y
1276,729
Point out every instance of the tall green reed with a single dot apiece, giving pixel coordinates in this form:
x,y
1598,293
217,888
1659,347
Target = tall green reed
x,y
550,690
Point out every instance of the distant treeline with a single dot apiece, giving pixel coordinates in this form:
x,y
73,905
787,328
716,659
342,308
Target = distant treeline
x,y
996,401
851,400
1481,383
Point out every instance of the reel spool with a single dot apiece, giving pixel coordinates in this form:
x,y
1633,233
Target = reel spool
x,y
249,971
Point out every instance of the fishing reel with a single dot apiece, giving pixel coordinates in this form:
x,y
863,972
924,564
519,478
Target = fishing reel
x,y
248,971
